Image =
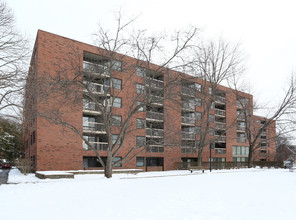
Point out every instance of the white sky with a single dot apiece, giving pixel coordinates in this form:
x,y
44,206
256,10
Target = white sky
x,y
265,28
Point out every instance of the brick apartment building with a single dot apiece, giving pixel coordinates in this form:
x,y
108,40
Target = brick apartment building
x,y
52,147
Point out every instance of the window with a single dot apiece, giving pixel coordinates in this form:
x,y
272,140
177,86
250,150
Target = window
x,y
114,139
140,123
198,115
116,65
154,161
140,89
140,162
140,141
240,159
117,102
217,159
116,83
116,120
240,150
142,108
198,87
140,72
198,102
90,139
211,118
117,159
212,131
197,130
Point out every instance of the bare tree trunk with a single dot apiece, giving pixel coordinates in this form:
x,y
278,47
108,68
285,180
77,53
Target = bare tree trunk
x,y
109,165
250,157
199,156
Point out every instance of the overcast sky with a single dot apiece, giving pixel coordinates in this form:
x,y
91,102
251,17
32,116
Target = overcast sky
x,y
265,28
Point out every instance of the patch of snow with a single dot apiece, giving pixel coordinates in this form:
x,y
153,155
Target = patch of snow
x,y
224,194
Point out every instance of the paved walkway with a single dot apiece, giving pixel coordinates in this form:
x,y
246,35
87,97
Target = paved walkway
x,y
4,176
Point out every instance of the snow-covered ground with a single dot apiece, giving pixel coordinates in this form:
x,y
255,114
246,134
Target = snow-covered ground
x,y
227,194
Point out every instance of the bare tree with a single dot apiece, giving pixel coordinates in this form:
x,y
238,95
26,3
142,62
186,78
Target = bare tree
x,y
257,127
283,148
13,54
98,86
214,63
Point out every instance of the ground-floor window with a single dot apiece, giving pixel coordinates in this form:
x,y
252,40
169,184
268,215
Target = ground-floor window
x,y
189,159
94,161
240,159
218,159
140,162
149,161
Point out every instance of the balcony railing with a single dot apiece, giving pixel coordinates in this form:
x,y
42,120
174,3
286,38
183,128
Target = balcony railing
x,y
220,99
241,140
188,106
155,148
94,126
97,146
154,82
95,68
97,88
188,91
220,112
154,115
154,132
220,125
188,150
90,106
220,150
187,120
241,128
156,99
241,117
188,135
220,138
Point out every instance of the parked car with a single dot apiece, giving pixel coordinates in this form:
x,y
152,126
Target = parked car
x,y
6,165
288,163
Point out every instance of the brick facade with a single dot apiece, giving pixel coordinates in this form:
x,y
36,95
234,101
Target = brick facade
x,y
53,147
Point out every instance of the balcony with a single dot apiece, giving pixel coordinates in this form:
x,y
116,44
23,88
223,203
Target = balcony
x,y
95,69
189,121
155,149
154,116
97,146
153,83
239,105
241,128
96,88
188,135
153,132
241,117
220,150
94,127
188,91
241,140
188,150
188,106
219,138
156,100
90,108
220,112
220,125
220,99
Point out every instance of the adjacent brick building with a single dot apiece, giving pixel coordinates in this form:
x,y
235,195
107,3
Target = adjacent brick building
x,y
171,128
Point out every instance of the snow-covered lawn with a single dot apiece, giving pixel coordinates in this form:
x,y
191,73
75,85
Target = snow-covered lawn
x,y
227,194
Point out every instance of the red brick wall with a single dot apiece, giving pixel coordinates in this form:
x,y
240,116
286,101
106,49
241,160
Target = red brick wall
x,y
58,148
